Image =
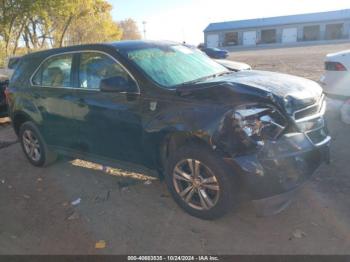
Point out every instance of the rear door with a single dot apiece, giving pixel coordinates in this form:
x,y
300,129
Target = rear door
x,y
109,122
53,93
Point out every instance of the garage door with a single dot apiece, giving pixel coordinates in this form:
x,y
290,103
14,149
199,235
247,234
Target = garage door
x,y
212,40
289,35
249,38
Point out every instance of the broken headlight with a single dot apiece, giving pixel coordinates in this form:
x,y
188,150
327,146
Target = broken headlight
x,y
292,104
288,104
259,123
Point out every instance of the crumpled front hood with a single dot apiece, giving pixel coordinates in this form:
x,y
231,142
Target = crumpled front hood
x,y
285,90
281,85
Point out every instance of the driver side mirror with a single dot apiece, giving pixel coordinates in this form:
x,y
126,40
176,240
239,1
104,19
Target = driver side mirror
x,y
118,84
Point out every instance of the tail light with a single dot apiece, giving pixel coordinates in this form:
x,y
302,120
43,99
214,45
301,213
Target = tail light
x,y
335,66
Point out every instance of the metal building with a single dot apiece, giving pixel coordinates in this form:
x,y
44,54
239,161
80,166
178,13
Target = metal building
x,y
293,29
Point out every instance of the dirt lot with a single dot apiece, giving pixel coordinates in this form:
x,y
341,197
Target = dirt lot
x,y
136,215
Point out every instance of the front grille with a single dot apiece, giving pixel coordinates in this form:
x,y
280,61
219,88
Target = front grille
x,y
318,135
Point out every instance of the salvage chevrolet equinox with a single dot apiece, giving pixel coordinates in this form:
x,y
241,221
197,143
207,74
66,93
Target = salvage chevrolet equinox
x,y
209,131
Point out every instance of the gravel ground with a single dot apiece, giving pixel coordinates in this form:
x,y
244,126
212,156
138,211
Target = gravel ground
x,y
307,61
134,214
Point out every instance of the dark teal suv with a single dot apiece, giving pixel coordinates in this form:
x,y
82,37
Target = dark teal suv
x,y
211,132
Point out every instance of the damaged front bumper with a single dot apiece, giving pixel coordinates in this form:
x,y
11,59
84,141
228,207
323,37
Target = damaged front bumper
x,y
274,204
273,174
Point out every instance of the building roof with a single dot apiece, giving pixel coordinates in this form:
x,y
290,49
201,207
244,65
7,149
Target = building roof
x,y
280,20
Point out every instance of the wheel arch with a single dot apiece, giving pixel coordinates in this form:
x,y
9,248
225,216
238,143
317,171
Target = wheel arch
x,y
171,141
18,119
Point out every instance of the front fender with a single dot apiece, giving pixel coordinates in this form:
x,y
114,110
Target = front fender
x,y
201,121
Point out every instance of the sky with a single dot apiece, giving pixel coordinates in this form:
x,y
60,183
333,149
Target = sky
x,y
185,20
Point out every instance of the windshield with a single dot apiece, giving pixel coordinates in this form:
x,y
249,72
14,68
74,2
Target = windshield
x,y
174,65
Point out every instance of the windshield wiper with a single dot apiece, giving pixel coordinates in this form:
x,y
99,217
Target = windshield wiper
x,y
224,73
201,79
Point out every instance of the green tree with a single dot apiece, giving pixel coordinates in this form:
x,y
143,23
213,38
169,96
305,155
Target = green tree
x,y
42,24
2,54
97,26
130,29
11,17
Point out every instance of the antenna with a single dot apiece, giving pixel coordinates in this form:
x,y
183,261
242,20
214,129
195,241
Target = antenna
x,y
144,29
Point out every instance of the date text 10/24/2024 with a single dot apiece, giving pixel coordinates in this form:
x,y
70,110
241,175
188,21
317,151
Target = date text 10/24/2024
x,y
173,258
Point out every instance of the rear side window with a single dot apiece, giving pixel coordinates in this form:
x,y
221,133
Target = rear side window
x,y
55,72
95,67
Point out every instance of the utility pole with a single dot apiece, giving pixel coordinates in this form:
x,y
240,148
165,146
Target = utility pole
x,y
183,36
144,29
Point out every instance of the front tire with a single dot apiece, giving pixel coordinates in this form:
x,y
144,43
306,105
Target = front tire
x,y
200,183
34,146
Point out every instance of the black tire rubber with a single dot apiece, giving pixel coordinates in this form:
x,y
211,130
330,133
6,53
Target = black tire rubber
x,y
227,181
47,156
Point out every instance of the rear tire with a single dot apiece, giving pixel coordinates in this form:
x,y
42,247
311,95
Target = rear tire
x,y
34,146
200,182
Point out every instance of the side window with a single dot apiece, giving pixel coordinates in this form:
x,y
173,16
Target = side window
x,y
95,67
55,72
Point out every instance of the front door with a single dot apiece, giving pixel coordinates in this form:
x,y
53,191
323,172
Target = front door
x,y
109,122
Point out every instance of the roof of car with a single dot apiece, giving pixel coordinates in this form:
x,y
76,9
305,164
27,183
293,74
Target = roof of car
x,y
119,46
135,44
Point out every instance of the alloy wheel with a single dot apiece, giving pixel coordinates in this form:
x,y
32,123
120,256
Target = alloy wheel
x,y
31,145
196,184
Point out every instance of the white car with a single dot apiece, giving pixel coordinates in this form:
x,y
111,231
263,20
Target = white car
x,y
336,80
